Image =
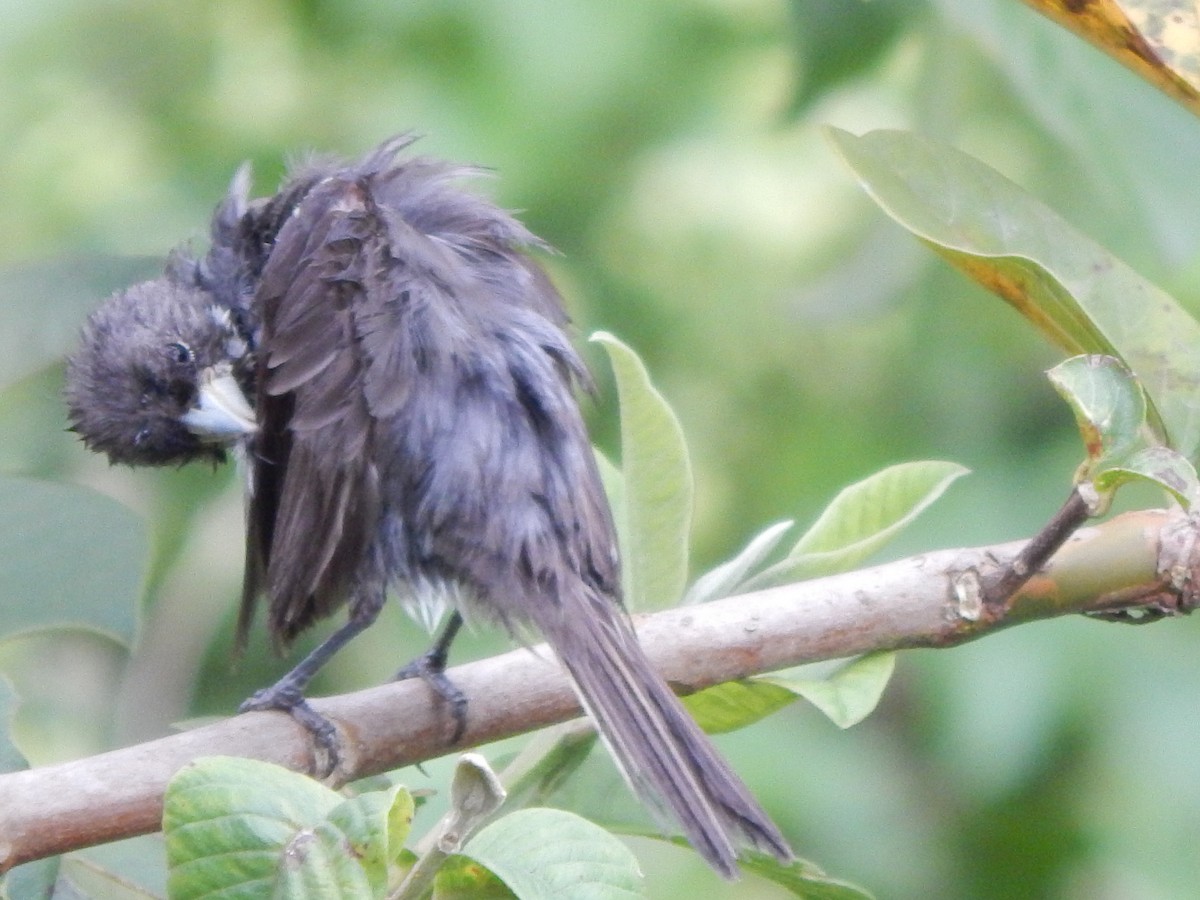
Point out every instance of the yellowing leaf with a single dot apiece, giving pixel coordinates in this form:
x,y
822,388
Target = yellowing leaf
x,y
1156,39
1171,28
1082,297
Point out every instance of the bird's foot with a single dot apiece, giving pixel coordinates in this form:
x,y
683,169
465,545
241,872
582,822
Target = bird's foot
x,y
430,667
289,699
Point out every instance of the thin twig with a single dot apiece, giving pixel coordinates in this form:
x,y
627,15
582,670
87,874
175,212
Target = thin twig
x,y
1037,552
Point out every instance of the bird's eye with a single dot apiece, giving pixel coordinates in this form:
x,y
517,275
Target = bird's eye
x,y
180,352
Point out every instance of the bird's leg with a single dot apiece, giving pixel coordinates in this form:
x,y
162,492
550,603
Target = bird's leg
x,y
287,694
430,667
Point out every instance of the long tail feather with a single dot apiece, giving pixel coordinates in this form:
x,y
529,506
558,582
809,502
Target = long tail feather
x,y
659,748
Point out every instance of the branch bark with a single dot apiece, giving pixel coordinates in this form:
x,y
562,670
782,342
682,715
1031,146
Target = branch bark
x,y
1139,560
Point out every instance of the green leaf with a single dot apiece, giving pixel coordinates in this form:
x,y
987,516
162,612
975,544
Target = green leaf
x,y
139,863
32,879
800,877
657,507
318,863
43,305
1160,466
551,854
70,556
803,879
861,519
85,878
1082,298
1125,143
11,758
726,578
221,808
736,704
837,40
847,696
242,828
1109,406
1110,409
614,489
464,879
547,762
375,825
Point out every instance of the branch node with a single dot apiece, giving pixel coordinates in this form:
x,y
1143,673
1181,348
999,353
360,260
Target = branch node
x,y
968,591
1094,502
1179,559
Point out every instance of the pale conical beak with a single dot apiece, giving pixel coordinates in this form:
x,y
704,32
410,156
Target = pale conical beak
x,y
221,413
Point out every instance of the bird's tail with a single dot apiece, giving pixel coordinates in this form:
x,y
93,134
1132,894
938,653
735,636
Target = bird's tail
x,y
659,748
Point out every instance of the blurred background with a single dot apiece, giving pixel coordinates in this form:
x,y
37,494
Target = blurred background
x,y
672,153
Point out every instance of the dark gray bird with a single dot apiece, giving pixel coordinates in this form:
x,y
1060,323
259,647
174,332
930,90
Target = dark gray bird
x,y
396,373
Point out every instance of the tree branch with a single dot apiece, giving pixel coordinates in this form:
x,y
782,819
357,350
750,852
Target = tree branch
x,y
1145,559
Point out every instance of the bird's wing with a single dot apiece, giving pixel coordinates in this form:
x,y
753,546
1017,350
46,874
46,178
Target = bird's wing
x,y
403,329
315,490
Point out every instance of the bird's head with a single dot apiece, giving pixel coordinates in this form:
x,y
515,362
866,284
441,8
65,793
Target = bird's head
x,y
154,380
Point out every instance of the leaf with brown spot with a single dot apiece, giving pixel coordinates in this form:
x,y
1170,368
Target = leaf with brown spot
x,y
1079,295
1159,40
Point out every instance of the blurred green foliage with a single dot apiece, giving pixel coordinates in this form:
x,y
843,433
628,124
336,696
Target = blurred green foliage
x,y
671,152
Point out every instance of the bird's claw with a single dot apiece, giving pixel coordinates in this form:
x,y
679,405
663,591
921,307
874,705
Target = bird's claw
x,y
431,668
291,701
